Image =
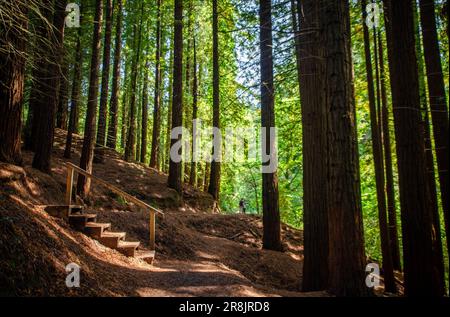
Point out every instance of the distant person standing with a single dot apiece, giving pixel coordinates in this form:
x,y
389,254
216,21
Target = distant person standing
x,y
242,206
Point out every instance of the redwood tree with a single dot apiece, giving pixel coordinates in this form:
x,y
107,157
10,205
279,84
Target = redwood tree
x,y
63,97
144,117
438,260
45,108
157,98
390,194
214,180
414,193
114,103
311,71
13,29
271,213
174,180
346,238
87,153
193,170
76,90
41,80
438,99
130,148
103,111
377,151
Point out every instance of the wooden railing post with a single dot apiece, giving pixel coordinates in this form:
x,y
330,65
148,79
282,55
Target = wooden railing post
x,y
152,230
69,185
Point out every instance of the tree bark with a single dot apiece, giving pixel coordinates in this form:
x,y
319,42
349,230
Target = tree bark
x,y
214,180
111,141
13,30
271,213
40,74
169,109
311,71
388,269
130,149
46,107
103,111
392,213
346,238
76,90
174,180
193,170
124,123
62,113
144,114
438,260
437,97
157,98
414,193
87,152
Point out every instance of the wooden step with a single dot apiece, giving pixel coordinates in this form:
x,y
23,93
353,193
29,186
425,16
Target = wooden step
x,y
79,221
63,211
128,248
147,256
111,239
95,229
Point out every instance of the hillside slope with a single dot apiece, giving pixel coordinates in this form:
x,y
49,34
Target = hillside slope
x,y
199,253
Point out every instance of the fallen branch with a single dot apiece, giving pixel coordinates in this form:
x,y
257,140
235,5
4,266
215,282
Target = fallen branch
x,y
236,235
257,236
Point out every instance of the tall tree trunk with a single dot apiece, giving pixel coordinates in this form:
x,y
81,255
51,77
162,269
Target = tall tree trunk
x,y
437,96
103,111
346,238
169,108
76,91
187,86
310,68
139,131
214,180
414,193
438,259
130,149
111,141
389,280
157,99
124,123
174,180
46,107
271,213
41,73
193,173
87,152
62,113
144,114
12,80
392,213
206,176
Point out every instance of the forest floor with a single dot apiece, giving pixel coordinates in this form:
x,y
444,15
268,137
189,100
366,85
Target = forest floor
x,y
199,252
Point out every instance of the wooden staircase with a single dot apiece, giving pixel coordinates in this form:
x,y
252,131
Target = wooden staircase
x,y
87,223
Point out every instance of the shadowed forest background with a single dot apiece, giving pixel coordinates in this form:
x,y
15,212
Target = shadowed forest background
x,y
359,97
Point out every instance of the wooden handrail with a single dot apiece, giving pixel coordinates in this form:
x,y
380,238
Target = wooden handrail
x,y
71,168
116,190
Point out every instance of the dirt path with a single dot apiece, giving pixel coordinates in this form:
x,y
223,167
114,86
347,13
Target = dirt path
x,y
198,253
